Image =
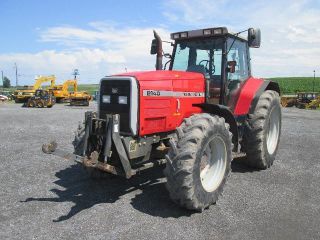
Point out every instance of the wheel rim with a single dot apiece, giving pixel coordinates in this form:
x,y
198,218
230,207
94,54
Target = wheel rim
x,y
273,131
213,164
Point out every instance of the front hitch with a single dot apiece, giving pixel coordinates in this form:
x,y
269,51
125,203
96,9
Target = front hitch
x,y
91,159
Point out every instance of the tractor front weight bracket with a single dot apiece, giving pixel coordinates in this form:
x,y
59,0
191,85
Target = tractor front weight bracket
x,y
91,159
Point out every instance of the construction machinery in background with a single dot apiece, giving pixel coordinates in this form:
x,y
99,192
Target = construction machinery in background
x,y
302,100
22,94
314,104
80,98
288,100
61,92
42,98
193,117
305,98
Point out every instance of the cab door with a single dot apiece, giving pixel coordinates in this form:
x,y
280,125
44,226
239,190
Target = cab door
x,y
238,52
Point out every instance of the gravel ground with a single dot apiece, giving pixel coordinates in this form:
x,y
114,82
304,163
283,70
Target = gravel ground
x,y
45,197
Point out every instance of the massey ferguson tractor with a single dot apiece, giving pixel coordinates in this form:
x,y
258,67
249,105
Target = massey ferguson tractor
x,y
193,117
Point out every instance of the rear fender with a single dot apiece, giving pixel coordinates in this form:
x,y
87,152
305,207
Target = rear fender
x,y
267,85
250,94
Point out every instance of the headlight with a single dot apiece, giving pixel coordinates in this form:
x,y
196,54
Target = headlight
x,y
106,98
123,100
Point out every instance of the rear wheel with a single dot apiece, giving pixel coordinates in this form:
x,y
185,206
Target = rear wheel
x,y
198,162
262,132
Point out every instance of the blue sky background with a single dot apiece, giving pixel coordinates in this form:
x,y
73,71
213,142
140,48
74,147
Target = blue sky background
x,y
105,37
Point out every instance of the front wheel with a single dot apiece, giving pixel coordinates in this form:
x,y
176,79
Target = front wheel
x,y
31,104
40,104
199,161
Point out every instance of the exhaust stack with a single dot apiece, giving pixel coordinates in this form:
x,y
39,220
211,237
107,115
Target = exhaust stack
x,y
159,50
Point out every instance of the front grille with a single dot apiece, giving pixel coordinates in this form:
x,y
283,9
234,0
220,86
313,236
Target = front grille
x,y
115,88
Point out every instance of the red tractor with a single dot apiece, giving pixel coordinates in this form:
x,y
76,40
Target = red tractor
x,y
191,117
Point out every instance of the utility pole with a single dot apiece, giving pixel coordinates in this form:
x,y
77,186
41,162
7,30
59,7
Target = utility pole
x,y
16,67
314,79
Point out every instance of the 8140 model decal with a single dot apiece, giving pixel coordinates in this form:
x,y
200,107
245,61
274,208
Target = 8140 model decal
x,y
157,93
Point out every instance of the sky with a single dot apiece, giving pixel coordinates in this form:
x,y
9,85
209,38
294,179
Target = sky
x,y
101,37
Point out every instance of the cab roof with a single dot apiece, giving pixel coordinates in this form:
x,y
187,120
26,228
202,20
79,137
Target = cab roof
x,y
206,32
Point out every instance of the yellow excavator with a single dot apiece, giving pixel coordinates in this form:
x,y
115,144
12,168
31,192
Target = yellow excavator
x,y
23,94
80,99
61,92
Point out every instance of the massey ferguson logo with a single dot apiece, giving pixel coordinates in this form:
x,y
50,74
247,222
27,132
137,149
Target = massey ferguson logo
x,y
152,93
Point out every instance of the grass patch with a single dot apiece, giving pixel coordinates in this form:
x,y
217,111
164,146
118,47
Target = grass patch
x,y
89,88
291,85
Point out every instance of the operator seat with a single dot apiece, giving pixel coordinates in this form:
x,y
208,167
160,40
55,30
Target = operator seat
x,y
197,68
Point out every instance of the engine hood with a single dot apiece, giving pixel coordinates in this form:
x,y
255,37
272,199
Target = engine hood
x,y
163,75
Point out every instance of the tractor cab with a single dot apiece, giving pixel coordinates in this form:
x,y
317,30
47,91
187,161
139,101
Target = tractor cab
x,y
40,93
307,97
222,57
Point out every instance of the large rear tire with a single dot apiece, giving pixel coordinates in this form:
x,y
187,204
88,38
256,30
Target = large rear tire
x,y
262,131
199,161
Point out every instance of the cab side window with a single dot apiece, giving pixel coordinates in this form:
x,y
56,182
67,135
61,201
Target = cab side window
x,y
238,53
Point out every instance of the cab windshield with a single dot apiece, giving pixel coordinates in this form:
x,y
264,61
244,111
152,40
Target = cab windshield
x,y
202,55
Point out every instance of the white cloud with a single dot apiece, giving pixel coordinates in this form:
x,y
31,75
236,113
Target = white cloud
x,y
290,30
290,40
101,50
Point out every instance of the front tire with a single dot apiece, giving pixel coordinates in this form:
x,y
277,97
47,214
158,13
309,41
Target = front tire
x,y
199,161
31,104
40,104
262,131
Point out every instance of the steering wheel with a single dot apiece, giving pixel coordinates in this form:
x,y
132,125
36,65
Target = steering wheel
x,y
207,62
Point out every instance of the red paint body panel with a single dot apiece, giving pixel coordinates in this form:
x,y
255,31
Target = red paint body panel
x,y
162,113
247,94
163,75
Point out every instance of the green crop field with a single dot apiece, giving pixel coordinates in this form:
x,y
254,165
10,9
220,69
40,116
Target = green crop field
x,y
90,88
291,85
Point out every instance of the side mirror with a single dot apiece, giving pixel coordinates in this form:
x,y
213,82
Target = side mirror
x,y
154,47
254,37
232,66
